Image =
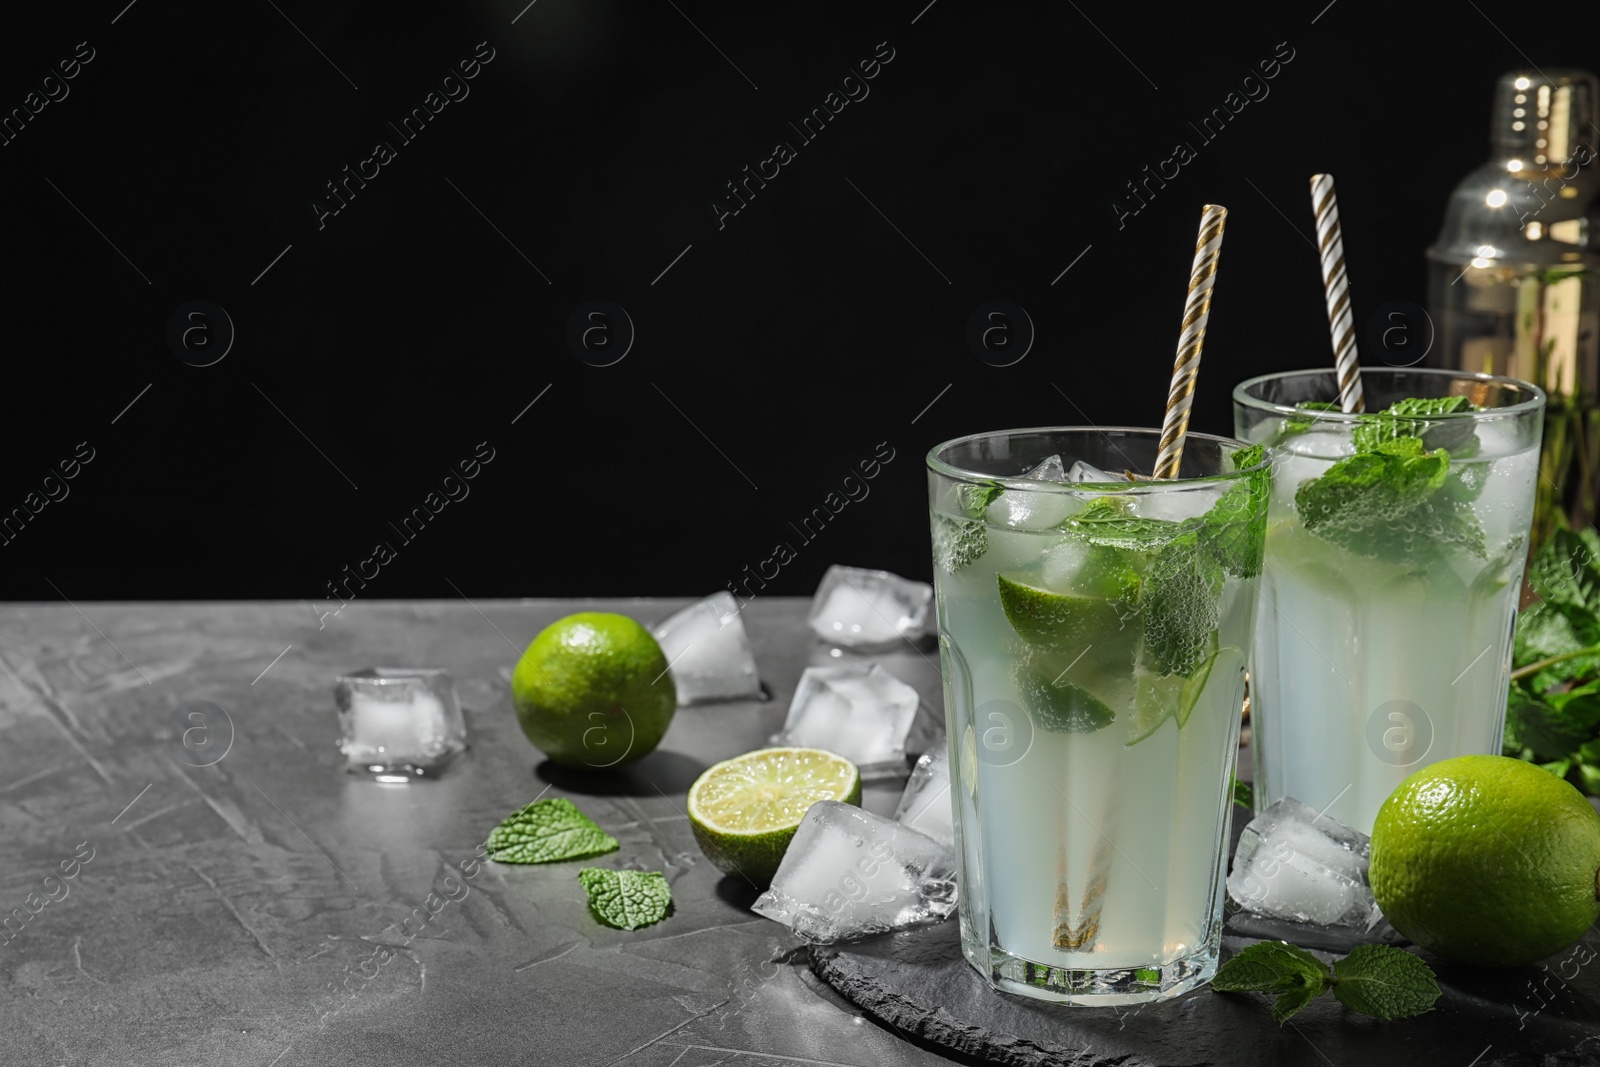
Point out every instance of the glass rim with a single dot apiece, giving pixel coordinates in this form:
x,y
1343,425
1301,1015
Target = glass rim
x,y
1117,488
1242,397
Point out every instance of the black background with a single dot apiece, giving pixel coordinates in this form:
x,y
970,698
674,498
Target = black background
x,y
770,359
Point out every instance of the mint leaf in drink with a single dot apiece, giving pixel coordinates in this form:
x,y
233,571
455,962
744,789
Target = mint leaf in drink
x,y
1106,521
1235,529
1294,424
547,831
1179,605
1294,975
1416,417
1389,502
626,900
958,543
974,500
1385,982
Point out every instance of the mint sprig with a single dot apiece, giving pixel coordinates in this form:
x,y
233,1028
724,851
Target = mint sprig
x,y
547,831
1377,980
1390,503
626,900
1553,708
1235,529
1180,604
959,543
1413,417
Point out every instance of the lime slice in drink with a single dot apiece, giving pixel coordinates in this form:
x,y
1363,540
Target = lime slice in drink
x,y
1059,704
1064,621
1159,697
744,811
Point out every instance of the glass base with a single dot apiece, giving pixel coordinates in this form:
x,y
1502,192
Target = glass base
x,y
1092,986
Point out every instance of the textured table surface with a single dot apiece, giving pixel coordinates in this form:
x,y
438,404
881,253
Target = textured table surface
x,y
227,910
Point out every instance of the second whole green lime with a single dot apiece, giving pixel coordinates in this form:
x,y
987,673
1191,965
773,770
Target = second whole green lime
x,y
593,691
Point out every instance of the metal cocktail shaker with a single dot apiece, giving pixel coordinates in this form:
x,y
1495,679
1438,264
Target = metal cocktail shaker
x,y
1514,278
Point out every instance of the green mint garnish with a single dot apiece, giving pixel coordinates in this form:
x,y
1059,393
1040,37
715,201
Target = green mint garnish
x,y
1105,521
1391,503
1294,424
626,900
1409,418
547,831
1377,980
958,543
1179,605
1235,529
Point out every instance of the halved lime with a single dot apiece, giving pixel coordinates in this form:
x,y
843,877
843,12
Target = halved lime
x,y
1063,621
744,811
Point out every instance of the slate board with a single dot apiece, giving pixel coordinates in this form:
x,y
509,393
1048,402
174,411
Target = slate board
x,y
917,983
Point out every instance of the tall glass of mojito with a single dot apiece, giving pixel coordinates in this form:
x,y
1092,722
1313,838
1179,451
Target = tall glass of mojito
x,y
1093,631
1395,546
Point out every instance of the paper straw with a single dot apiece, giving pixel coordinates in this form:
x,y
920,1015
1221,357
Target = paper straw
x,y
1336,286
1196,310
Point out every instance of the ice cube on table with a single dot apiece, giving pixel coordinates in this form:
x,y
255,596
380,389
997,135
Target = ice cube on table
x,y
1086,472
926,805
850,874
1293,864
709,651
869,610
398,722
858,710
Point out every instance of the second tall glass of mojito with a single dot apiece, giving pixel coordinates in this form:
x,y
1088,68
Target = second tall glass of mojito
x,y
1093,632
1394,561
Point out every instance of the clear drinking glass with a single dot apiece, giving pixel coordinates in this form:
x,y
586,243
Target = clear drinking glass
x,y
1390,588
1093,638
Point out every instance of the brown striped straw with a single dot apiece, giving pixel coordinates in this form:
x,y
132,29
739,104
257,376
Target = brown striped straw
x,y
1196,310
1336,286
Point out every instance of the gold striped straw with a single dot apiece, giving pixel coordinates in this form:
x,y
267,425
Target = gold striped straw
x,y
1336,286
1196,310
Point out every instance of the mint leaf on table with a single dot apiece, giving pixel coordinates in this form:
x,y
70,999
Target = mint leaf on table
x,y
1385,982
1179,605
1377,980
1389,503
1294,975
547,831
626,900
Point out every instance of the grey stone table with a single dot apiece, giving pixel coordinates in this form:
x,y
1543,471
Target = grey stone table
x,y
234,913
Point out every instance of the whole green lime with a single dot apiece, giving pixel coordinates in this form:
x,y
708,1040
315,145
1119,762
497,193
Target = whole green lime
x,y
593,691
1487,860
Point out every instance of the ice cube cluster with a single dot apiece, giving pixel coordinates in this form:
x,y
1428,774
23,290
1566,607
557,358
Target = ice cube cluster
x,y
850,874
1295,864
